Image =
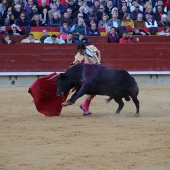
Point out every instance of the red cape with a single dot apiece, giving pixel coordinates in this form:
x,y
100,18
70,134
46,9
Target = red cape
x,y
45,98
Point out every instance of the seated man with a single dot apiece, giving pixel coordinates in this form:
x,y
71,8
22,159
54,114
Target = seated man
x,y
45,35
79,28
70,38
7,39
53,40
30,39
125,39
15,30
82,39
93,31
113,37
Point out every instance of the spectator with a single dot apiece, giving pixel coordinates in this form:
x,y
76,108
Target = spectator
x,y
139,22
60,7
164,21
75,21
9,21
30,39
131,36
165,32
70,38
79,28
123,11
114,22
66,18
108,7
52,11
36,22
86,7
2,32
127,21
96,6
17,11
159,13
72,5
133,4
91,12
100,13
82,39
47,2
3,6
81,10
7,39
28,9
93,31
114,11
55,21
103,22
160,3
21,21
125,39
135,12
43,6
53,2
70,13
65,29
44,17
15,30
7,11
45,35
151,24
137,31
34,11
113,37
53,40
91,21
149,10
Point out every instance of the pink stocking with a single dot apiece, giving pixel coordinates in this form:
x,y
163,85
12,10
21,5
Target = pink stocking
x,y
85,105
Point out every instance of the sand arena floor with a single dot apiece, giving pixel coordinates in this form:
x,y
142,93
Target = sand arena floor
x,y
102,141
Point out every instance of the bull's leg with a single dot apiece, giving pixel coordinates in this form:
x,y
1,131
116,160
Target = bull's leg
x,y
121,104
79,94
136,101
69,102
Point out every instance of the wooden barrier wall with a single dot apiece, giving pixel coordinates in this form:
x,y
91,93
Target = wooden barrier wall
x,y
49,58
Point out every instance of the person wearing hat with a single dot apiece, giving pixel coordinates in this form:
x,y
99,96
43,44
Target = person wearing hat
x,y
164,21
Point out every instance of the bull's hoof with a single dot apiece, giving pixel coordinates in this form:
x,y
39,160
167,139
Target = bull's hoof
x,y
87,114
64,104
116,114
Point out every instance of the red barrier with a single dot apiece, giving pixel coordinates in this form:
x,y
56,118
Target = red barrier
x,y
49,58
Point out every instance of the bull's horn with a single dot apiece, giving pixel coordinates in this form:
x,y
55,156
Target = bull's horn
x,y
53,77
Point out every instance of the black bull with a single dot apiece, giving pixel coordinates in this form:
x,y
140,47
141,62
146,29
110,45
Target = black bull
x,y
95,79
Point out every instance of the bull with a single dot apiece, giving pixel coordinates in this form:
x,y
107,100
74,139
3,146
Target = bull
x,y
93,79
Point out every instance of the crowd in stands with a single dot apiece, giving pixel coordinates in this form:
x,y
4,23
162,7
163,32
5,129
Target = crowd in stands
x,y
78,18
